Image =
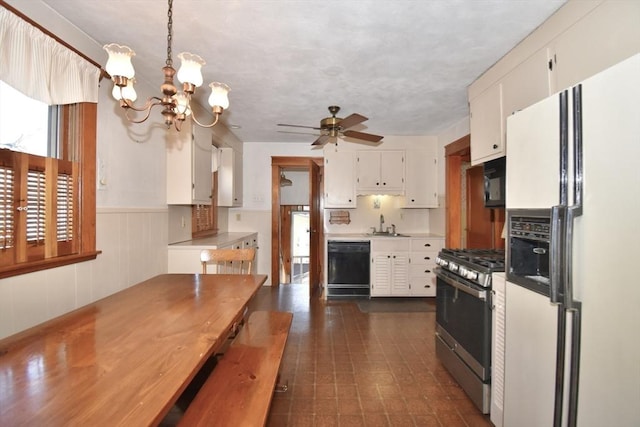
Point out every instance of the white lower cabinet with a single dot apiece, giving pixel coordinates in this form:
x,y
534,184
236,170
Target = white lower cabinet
x,y
498,313
390,267
422,261
185,257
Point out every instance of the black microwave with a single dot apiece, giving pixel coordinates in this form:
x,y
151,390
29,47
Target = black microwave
x,y
495,175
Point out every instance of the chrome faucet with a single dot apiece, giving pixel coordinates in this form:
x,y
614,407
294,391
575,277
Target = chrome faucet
x,y
381,222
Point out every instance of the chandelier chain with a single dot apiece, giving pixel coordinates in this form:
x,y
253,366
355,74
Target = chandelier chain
x,y
169,33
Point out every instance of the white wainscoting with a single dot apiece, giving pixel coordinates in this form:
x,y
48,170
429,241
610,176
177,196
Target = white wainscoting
x,y
133,242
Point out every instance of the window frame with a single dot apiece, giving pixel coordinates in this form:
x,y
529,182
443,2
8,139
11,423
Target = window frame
x,y
78,127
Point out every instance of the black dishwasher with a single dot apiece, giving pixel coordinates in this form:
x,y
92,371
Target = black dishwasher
x,y
348,268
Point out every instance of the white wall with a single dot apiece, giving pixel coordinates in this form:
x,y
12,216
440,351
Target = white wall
x,y
131,223
255,215
456,131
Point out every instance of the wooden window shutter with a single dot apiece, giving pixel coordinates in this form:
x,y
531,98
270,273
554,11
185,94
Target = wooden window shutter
x,y
7,217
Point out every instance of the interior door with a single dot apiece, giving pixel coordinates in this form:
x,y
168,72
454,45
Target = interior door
x,y
315,227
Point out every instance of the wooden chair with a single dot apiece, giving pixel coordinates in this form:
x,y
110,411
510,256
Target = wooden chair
x,y
228,261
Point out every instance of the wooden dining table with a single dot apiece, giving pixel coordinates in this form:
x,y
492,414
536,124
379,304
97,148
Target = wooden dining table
x,y
122,360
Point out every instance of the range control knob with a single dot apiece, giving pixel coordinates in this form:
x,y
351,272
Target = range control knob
x,y
471,275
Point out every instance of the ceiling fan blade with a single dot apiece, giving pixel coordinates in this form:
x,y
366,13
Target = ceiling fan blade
x,y
297,133
299,126
361,135
352,120
322,139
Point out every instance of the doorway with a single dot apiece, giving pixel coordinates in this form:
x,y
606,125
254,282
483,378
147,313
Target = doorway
x,y
296,226
468,223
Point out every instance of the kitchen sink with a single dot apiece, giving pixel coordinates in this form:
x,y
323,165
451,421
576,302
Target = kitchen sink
x,y
385,234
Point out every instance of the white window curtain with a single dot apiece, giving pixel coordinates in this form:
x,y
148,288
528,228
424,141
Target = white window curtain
x,y
40,67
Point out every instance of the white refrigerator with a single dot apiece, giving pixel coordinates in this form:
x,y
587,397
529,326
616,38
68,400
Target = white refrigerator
x,y
597,372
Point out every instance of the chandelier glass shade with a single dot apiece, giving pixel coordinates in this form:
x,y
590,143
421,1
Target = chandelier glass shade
x,y
176,105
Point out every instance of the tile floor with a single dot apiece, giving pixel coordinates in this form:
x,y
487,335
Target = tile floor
x,y
348,368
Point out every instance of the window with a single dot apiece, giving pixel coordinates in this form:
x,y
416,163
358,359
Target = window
x,y
45,218
47,189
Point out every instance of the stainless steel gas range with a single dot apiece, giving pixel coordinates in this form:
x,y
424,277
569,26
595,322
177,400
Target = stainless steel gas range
x,y
463,317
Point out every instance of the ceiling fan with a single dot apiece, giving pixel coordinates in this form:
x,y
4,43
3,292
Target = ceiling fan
x,y
331,127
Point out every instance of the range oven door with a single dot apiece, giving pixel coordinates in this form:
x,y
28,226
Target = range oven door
x,y
463,317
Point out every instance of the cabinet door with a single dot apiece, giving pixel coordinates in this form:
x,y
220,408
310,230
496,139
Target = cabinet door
x,y
368,171
421,183
189,179
498,286
487,135
525,85
339,179
604,37
380,172
381,274
400,274
229,177
237,179
392,172
201,169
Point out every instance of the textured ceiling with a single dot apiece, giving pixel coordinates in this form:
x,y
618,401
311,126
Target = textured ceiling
x,y
404,64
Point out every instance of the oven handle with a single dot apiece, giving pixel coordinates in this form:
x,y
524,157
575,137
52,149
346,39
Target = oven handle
x,y
481,295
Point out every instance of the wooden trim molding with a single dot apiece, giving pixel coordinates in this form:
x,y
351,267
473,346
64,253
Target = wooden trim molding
x,y
455,153
277,164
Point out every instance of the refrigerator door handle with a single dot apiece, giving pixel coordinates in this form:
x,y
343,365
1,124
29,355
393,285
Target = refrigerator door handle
x,y
578,155
564,148
556,257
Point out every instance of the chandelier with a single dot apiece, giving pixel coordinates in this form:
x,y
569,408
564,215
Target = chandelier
x,y
176,105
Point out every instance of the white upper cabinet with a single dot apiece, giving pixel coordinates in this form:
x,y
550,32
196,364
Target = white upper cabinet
x,y
189,175
486,126
421,186
229,177
568,51
526,84
606,36
380,172
339,178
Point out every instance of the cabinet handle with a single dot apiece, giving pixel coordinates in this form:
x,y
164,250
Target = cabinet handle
x,y
427,286
413,200
427,257
427,245
427,271
384,183
495,146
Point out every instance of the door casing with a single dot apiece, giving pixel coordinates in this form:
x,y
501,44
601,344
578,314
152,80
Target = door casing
x,y
315,167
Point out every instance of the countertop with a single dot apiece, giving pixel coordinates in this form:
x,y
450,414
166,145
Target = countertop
x,y
222,239
364,236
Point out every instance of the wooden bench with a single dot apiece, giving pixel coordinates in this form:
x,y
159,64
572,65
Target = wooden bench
x,y
239,390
